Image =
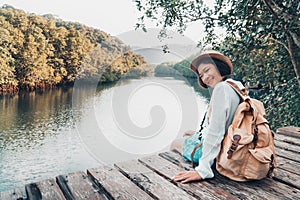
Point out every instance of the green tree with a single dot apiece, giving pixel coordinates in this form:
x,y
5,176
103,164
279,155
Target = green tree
x,y
77,48
262,39
33,69
42,51
250,20
56,37
7,70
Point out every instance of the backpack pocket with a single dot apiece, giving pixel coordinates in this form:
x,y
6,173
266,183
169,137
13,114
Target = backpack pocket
x,y
258,164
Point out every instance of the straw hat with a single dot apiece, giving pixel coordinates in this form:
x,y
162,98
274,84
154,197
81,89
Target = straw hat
x,y
209,54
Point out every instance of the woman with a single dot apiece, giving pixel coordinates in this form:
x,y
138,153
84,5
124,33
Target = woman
x,y
212,69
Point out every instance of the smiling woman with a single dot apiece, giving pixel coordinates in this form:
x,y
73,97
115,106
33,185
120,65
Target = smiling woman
x,y
211,68
209,74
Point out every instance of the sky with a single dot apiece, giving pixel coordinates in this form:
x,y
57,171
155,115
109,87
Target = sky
x,y
111,16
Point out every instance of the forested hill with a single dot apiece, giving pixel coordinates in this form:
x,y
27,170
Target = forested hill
x,y
43,51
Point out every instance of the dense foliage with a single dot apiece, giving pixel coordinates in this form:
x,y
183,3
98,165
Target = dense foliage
x,y
42,51
262,39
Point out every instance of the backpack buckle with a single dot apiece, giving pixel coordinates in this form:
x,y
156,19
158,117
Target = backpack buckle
x,y
234,145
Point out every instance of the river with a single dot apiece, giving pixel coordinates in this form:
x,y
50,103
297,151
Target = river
x,y
63,130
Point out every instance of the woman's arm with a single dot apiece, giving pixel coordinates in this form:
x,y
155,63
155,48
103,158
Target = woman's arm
x,y
220,109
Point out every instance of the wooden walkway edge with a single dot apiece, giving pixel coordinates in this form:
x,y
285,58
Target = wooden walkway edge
x,y
150,178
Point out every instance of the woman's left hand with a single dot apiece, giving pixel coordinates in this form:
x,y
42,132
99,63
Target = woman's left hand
x,y
187,176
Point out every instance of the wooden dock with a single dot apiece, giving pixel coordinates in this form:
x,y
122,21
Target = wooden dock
x,y
150,178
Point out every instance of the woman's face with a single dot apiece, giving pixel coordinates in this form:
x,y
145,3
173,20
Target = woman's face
x,y
209,74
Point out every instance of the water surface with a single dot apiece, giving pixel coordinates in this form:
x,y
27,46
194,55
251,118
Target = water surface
x,y
41,134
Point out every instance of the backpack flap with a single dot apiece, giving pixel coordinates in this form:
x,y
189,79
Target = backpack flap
x,y
239,127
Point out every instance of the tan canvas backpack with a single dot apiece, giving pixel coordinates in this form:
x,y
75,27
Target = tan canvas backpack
x,y
247,151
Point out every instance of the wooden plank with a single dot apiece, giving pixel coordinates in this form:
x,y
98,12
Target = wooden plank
x,y
288,165
272,189
290,131
115,184
287,146
278,189
288,154
12,194
218,181
78,186
176,158
288,139
156,186
47,189
287,177
262,189
201,190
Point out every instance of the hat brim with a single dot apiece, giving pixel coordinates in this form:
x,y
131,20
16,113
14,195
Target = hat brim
x,y
209,54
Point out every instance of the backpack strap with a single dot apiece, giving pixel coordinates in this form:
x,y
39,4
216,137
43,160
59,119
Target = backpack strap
x,y
202,122
244,97
242,93
193,153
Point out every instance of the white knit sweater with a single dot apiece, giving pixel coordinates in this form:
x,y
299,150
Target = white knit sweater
x,y
222,106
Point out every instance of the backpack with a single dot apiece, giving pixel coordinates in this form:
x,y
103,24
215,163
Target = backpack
x,y
247,151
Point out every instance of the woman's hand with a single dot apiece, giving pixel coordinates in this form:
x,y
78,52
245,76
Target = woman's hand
x,y
187,176
188,133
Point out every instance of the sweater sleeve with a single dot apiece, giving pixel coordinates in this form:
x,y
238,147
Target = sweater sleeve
x,y
220,107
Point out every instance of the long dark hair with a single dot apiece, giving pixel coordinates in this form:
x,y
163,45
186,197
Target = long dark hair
x,y
223,68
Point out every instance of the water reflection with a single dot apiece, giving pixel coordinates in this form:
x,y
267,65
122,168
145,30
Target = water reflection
x,y
37,138
38,132
30,117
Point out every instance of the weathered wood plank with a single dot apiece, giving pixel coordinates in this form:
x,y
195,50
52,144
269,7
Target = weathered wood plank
x,y
201,190
287,146
248,190
176,158
273,189
288,139
290,131
115,184
47,189
263,189
288,154
155,185
78,186
14,194
219,181
288,165
287,178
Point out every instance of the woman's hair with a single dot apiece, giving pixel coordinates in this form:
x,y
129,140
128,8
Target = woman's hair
x,y
223,68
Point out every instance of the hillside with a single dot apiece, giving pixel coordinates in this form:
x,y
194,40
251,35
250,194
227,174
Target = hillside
x,y
43,51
